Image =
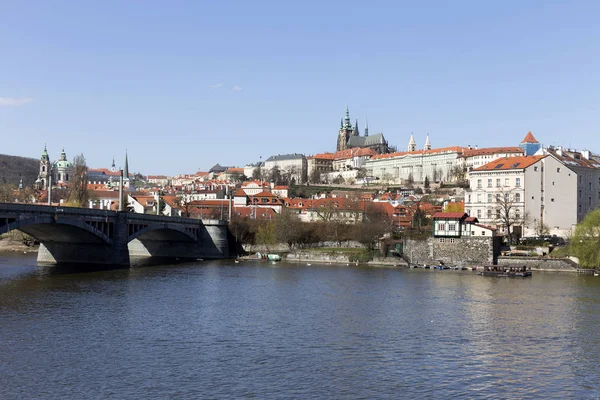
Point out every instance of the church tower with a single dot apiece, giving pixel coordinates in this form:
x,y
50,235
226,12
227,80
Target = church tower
x,y
44,170
427,143
366,128
346,130
412,145
126,171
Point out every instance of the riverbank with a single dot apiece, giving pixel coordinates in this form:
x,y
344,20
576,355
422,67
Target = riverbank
x,y
17,247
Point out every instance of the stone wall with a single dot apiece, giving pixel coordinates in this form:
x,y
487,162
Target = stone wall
x,y
547,264
464,251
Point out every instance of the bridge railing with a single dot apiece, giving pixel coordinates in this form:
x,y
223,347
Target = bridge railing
x,y
45,209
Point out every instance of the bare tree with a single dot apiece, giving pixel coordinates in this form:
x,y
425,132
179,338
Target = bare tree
x,y
78,193
509,213
315,176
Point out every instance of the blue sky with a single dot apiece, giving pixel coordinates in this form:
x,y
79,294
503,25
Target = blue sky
x,y
183,85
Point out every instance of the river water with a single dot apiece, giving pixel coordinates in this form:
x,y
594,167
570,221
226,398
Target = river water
x,y
265,331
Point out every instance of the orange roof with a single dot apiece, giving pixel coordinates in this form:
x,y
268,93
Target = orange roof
x,y
264,194
492,150
323,156
235,170
456,149
239,193
506,163
529,138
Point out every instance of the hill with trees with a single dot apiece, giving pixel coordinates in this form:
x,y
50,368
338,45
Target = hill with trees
x,y
13,168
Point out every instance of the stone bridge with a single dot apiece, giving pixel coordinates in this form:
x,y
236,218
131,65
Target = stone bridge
x,y
80,235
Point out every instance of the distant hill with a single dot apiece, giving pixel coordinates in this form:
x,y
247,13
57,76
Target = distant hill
x,y
13,168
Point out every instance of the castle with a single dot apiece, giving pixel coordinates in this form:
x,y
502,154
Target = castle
x,y
349,137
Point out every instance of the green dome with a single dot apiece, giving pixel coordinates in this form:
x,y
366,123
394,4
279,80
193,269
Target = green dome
x,y
63,164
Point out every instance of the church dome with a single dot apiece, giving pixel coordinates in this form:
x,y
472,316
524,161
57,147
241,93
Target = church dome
x,y
62,164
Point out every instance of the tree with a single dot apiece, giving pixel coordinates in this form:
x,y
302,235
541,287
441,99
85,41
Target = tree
x,y
338,180
410,180
288,228
541,228
315,176
455,207
257,173
266,235
585,244
275,175
7,193
509,214
458,172
426,183
78,193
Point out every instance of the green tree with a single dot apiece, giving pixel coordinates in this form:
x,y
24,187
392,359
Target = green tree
x,y
266,235
585,244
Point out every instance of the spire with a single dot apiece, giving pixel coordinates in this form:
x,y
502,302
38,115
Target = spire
x,y
45,154
341,123
412,145
126,168
427,143
366,127
63,155
347,119
356,132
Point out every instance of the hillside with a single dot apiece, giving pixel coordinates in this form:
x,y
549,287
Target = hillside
x,y
12,168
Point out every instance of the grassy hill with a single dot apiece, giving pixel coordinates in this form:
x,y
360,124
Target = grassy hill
x,y
13,168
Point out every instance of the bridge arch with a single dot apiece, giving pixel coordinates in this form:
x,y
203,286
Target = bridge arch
x,y
47,228
166,232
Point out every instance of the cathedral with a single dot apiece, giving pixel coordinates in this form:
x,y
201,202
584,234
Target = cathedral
x,y
349,137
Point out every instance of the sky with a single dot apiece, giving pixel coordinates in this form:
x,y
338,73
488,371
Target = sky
x,y
183,85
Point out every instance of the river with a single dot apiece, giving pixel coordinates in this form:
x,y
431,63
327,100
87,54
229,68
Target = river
x,y
216,329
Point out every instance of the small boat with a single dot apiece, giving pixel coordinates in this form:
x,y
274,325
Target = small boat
x,y
273,257
237,261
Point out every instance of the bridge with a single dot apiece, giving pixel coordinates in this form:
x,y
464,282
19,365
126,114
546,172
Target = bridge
x,y
81,235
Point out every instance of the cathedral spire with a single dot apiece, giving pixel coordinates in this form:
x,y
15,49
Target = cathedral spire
x,y
356,132
366,127
347,119
427,143
45,156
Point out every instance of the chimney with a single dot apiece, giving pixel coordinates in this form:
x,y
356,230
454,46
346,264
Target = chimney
x,y
475,147
585,154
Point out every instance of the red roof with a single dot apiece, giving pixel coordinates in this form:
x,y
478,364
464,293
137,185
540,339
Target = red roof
x,y
507,163
529,138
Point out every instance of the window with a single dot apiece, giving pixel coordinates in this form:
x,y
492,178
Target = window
x,y
579,209
489,198
517,214
507,197
518,182
498,182
535,169
518,197
506,182
468,210
579,177
489,214
590,186
489,183
451,240
558,170
452,227
478,183
479,197
43,168
469,199
590,201
482,233
579,193
497,213
478,213
552,200
442,240
442,227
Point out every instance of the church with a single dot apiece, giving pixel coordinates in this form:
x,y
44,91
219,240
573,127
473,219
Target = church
x,y
349,137
60,171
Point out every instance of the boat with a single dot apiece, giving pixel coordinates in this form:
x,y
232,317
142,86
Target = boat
x,y
510,272
273,257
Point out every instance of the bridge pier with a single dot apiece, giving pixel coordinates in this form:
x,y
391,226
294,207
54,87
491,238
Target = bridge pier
x,y
84,253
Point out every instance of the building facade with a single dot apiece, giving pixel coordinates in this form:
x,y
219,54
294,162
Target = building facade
x,y
531,193
295,165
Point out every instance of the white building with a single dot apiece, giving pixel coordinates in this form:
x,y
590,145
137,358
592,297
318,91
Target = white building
x,y
538,191
475,158
293,164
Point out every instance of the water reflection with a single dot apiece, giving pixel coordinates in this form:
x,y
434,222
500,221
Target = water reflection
x,y
217,329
